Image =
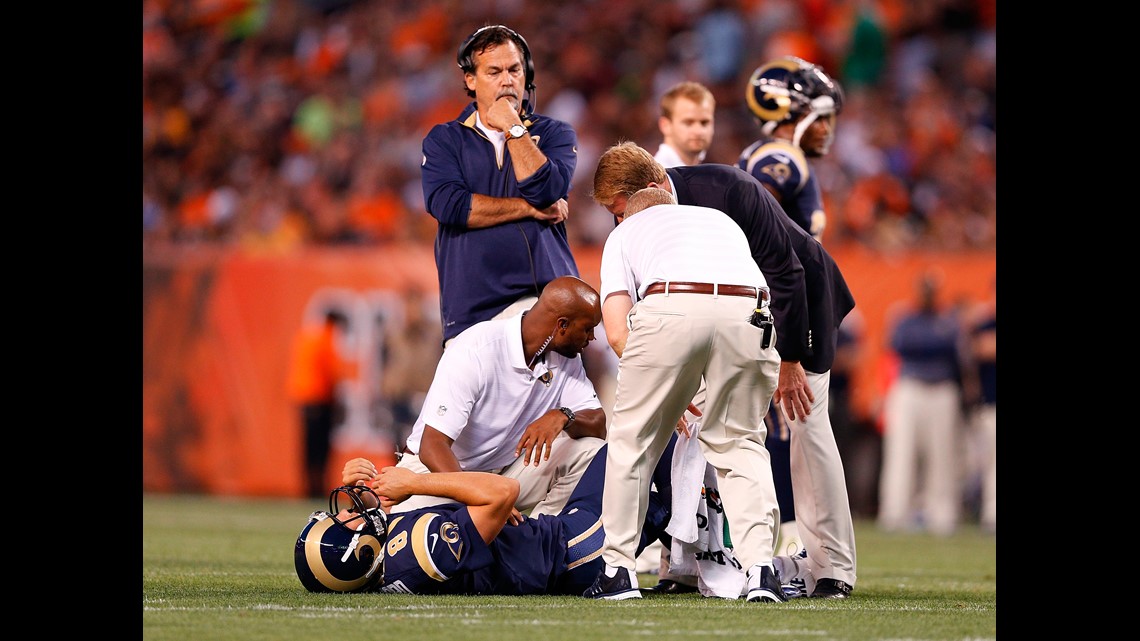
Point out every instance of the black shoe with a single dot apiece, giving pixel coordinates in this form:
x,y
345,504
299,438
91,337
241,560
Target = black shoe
x,y
667,586
622,585
764,585
831,589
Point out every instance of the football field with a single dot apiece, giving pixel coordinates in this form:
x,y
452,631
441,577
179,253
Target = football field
x,y
222,568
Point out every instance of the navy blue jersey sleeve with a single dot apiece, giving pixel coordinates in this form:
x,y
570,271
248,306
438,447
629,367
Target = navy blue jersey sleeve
x,y
530,556
439,551
773,166
433,550
785,171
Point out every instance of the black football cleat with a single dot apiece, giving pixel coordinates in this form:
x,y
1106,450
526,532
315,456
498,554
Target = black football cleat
x,y
622,585
668,586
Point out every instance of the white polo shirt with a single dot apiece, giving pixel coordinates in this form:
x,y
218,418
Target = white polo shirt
x,y
483,395
676,243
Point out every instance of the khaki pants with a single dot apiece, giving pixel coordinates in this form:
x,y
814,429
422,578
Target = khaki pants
x,y
819,491
674,341
543,488
921,457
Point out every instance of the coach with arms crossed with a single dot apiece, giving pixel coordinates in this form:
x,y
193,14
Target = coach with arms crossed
x,y
496,180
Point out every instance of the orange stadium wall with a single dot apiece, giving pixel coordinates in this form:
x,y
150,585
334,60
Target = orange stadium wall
x,y
218,326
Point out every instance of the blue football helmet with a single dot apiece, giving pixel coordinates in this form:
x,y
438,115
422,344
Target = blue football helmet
x,y
791,89
332,555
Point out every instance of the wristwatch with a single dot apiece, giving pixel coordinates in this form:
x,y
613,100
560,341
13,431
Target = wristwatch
x,y
569,414
516,131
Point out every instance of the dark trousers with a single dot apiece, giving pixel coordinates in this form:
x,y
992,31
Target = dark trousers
x,y
318,420
780,451
584,509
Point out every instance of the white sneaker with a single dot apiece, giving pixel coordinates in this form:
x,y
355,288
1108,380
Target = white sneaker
x,y
764,584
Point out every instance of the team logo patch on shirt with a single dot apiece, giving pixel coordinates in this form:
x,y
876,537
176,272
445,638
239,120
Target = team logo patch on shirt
x,y
547,377
441,410
449,534
779,172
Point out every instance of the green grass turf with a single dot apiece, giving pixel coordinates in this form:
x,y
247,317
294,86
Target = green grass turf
x,y
222,568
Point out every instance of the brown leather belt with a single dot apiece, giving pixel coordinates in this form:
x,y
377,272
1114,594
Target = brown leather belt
x,y
676,287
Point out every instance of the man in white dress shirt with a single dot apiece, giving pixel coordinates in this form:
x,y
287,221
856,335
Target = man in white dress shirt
x,y
683,299
686,122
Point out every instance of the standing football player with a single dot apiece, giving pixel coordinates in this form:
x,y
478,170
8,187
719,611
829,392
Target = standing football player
x,y
796,104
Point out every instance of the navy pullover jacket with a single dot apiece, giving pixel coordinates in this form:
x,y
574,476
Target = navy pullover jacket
x,y
482,271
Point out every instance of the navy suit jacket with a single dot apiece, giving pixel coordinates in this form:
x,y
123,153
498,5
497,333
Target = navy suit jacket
x,y
809,295
829,298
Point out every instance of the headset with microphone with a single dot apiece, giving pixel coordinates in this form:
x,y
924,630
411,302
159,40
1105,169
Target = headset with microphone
x,y
465,58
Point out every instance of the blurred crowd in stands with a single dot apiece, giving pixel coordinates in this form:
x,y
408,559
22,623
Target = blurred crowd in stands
x,y
273,124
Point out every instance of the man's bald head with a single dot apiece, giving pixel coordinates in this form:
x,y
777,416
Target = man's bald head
x,y
568,296
569,309
646,198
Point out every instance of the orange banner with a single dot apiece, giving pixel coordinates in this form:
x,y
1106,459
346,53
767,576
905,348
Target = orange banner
x,y
218,325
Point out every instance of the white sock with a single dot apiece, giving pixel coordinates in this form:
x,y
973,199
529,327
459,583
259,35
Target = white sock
x,y
790,568
785,567
755,569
